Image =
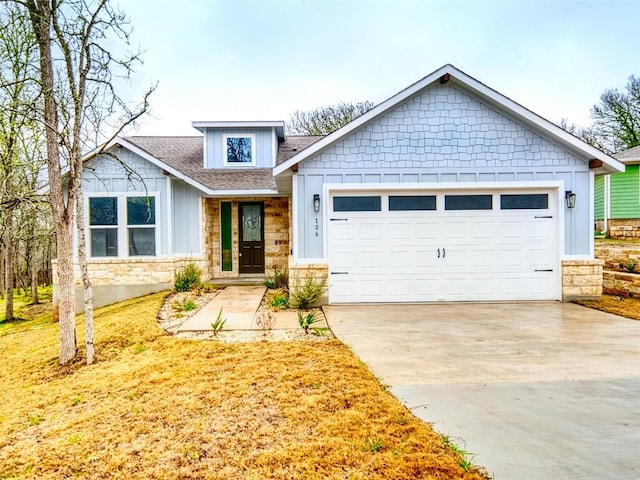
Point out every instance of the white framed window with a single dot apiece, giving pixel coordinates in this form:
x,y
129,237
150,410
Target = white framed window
x,y
239,149
123,225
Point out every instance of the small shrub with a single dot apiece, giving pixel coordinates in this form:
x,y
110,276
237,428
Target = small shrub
x,y
186,305
277,299
630,266
218,324
188,277
307,320
279,279
305,294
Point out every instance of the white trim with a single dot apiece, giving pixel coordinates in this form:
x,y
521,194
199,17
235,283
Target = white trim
x,y
245,193
447,185
294,214
150,158
575,257
457,77
201,215
238,124
607,201
225,137
169,217
274,147
592,211
122,226
205,149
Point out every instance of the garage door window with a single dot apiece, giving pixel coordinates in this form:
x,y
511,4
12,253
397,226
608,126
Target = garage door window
x,y
357,204
468,202
524,201
412,202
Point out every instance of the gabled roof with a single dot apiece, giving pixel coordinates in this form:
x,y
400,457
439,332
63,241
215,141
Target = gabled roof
x,y
449,73
182,157
629,156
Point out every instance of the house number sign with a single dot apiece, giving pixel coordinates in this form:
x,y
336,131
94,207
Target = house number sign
x,y
317,227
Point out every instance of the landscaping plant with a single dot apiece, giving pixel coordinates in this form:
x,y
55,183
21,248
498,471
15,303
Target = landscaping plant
x,y
305,294
309,319
277,299
218,324
188,278
279,279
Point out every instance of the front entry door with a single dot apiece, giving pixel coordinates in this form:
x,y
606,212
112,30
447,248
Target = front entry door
x,y
251,217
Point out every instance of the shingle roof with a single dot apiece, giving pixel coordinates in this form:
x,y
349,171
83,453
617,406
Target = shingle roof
x,y
629,155
185,154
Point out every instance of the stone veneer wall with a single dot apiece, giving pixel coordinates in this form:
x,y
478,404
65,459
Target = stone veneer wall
x,y
622,284
582,279
117,279
276,233
624,229
616,255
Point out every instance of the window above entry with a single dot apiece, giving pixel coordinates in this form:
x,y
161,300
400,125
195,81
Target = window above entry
x,y
238,150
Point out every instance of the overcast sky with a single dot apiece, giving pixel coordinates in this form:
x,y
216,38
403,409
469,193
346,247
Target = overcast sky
x,y
263,59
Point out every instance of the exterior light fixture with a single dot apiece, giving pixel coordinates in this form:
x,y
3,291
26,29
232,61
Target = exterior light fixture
x,y
570,198
316,202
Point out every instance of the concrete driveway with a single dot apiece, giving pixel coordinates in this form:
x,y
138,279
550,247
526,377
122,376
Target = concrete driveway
x,y
534,390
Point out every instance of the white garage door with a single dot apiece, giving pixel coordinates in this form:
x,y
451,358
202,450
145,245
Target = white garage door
x,y
394,247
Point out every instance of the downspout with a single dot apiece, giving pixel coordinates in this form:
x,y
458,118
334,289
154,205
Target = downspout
x,y
607,202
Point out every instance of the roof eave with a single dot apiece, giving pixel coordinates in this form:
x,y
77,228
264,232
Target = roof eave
x,y
451,73
278,125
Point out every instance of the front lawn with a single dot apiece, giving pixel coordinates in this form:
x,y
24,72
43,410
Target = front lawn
x,y
155,406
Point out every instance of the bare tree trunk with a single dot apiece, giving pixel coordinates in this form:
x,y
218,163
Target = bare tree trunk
x,y
86,281
9,269
64,304
34,269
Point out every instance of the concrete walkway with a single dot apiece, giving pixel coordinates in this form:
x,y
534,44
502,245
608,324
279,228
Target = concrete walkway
x,y
539,391
239,305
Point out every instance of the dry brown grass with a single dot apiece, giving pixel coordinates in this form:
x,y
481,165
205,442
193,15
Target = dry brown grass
x,y
625,307
159,407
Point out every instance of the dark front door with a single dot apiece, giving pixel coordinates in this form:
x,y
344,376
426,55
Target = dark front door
x,y
251,217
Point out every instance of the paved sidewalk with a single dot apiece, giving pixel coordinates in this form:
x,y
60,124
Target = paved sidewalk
x,y
239,305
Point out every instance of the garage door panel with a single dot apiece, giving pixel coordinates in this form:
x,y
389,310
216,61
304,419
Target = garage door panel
x,y
484,255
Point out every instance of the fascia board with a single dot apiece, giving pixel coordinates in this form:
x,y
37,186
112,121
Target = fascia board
x,y
160,164
527,116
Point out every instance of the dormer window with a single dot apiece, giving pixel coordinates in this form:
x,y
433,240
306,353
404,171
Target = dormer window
x,y
239,150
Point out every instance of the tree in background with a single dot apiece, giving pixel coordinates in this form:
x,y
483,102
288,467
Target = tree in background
x,y
82,51
21,157
616,118
325,120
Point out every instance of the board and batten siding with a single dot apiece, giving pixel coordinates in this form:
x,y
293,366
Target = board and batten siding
x,y
214,148
625,193
105,174
186,218
442,135
599,197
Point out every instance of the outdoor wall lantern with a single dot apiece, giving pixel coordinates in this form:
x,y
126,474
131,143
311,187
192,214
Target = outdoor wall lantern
x,y
570,197
316,202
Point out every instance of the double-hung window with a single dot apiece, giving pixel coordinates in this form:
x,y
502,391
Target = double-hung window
x,y
122,226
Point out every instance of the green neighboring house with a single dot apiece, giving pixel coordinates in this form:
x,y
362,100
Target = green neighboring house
x,y
617,199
